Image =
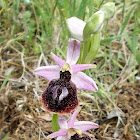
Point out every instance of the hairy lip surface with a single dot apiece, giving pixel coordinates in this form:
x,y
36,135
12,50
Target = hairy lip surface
x,y
55,100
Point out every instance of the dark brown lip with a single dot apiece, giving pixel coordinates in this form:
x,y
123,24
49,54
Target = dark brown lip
x,y
68,103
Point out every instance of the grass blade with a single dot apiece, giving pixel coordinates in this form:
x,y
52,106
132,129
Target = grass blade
x,y
123,11
127,19
6,79
82,8
129,42
111,39
5,137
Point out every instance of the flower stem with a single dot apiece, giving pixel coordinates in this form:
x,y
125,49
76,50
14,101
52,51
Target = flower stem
x,y
55,125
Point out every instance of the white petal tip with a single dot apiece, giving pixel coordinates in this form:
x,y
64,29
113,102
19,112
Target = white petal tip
x,y
76,27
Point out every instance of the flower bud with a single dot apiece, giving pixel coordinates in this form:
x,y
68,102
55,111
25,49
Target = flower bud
x,y
76,27
94,24
108,9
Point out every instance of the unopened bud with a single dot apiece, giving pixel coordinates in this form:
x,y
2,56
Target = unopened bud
x,y
108,9
94,24
76,27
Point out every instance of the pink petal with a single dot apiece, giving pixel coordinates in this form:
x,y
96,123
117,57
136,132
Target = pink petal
x,y
48,72
73,117
85,125
62,138
58,60
80,67
61,132
82,81
63,122
73,52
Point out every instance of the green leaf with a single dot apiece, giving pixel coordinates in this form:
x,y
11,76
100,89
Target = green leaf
x,y
55,125
85,49
95,44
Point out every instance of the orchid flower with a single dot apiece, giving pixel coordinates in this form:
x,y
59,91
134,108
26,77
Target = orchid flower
x,y
61,93
71,129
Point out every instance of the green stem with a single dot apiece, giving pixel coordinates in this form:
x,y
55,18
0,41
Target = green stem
x,y
55,125
85,51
